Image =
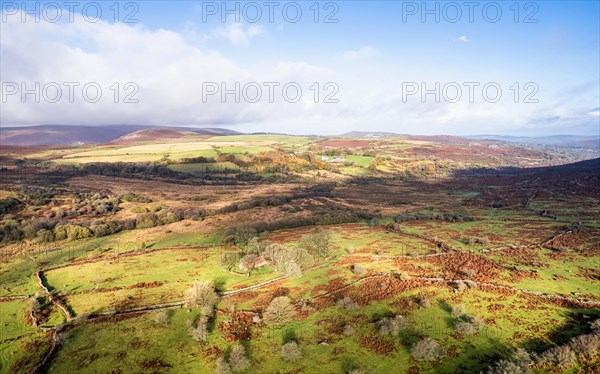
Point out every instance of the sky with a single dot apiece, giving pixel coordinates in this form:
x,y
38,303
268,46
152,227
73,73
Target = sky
x,y
460,68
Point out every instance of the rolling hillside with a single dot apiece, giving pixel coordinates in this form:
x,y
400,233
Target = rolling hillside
x,y
73,135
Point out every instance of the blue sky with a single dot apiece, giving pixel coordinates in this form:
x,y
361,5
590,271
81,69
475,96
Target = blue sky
x,y
369,54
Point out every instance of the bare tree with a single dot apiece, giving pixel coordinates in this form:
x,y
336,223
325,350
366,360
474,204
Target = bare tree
x,y
203,295
229,259
200,331
280,311
392,326
427,350
293,270
238,360
243,235
317,244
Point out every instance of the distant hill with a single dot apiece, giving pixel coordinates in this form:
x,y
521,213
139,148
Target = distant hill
x,y
69,135
150,134
448,139
555,140
369,134
159,133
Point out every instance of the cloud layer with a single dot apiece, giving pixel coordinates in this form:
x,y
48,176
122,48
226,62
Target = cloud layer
x,y
168,74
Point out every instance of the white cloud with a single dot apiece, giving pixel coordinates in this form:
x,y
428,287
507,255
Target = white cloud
x,y
168,70
364,52
462,38
237,32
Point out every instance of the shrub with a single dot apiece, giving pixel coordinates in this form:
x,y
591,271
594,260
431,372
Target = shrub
x,y
506,367
346,303
348,330
561,356
279,312
586,345
595,325
459,310
135,198
564,356
146,220
200,331
466,328
45,236
138,209
478,240
202,295
6,205
424,302
291,352
161,318
427,350
238,360
358,269
392,326
522,358
71,232
222,366
474,320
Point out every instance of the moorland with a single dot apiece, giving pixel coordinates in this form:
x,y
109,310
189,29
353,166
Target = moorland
x,y
170,250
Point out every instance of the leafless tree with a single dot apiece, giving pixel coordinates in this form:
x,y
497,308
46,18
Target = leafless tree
x,y
279,312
